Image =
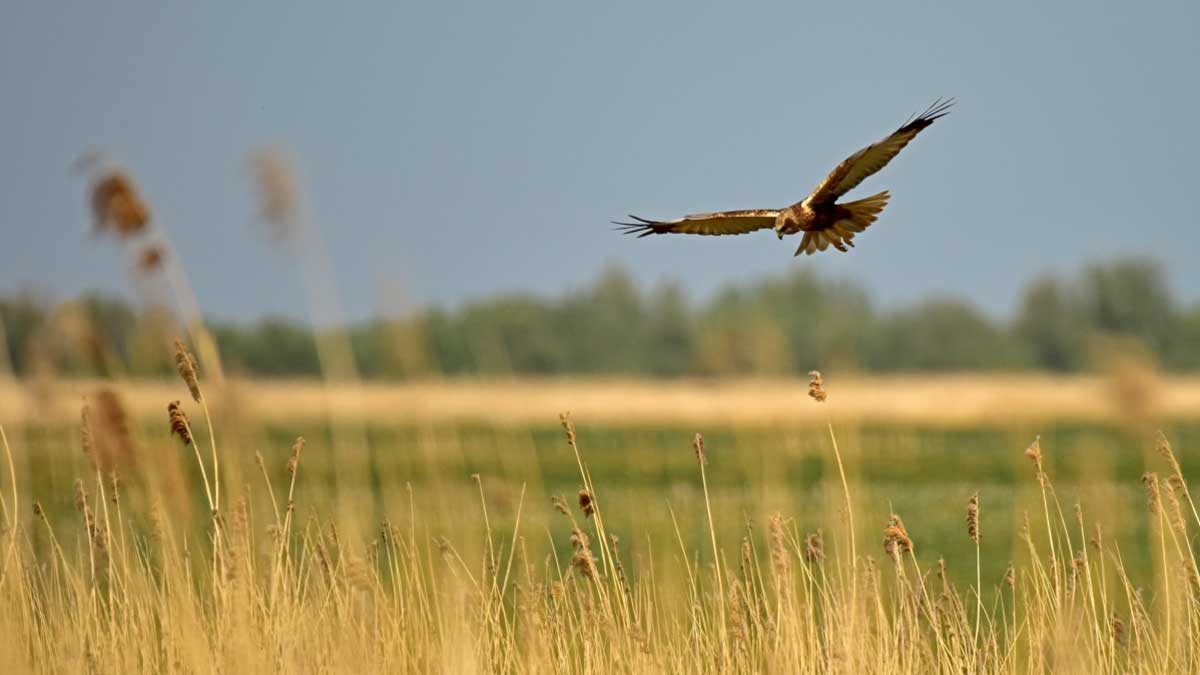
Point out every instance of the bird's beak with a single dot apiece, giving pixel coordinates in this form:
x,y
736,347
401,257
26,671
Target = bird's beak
x,y
780,233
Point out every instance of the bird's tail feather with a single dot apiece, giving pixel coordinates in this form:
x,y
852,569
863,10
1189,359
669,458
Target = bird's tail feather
x,y
858,216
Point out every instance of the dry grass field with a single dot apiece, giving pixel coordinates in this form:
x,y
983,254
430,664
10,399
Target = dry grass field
x,y
935,399
901,525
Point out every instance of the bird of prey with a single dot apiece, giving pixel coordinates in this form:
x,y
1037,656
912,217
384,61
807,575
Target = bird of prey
x,y
823,220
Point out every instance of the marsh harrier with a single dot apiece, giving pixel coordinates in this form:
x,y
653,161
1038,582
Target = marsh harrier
x,y
819,216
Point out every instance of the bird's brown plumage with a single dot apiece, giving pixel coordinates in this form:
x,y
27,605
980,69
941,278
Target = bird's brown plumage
x,y
824,222
723,222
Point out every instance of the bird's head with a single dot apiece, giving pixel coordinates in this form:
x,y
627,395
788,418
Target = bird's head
x,y
781,225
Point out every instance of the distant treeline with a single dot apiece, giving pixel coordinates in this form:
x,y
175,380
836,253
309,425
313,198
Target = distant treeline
x,y
783,325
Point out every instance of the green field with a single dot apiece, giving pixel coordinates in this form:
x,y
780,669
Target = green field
x,y
642,472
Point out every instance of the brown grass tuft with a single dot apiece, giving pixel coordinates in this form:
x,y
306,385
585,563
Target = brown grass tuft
x,y
1153,496
150,259
279,196
973,518
816,387
181,426
294,459
814,548
116,204
583,561
779,553
895,537
586,504
568,426
185,363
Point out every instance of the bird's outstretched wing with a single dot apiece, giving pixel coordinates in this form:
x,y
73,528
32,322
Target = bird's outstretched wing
x,y
723,222
855,168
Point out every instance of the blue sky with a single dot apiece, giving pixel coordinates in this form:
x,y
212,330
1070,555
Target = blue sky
x,y
457,149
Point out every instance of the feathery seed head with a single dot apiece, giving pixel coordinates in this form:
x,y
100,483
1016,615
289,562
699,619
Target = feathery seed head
x,y
814,548
586,504
150,259
779,553
116,204
568,426
816,387
582,560
294,460
973,517
698,446
1150,483
180,424
185,363
895,537
1174,508
279,196
1118,629
1034,451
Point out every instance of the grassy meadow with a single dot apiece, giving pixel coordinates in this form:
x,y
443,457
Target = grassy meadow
x,y
439,526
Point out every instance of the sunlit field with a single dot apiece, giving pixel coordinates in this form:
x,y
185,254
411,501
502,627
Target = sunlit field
x,y
463,526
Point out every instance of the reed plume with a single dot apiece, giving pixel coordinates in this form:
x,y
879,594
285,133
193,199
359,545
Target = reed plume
x,y
1153,497
117,204
895,537
973,518
586,504
816,386
814,548
185,363
181,426
278,192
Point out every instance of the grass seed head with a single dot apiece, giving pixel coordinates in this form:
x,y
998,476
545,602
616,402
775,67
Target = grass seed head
x,y
1034,451
294,460
816,386
1174,508
185,363
586,503
1153,498
779,553
116,204
698,446
1118,629
814,548
568,426
279,197
973,517
582,560
180,425
895,537
150,259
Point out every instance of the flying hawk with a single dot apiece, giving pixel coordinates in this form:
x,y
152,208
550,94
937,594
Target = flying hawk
x,y
823,221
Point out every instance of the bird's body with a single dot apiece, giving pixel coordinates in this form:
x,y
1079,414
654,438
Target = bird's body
x,y
824,222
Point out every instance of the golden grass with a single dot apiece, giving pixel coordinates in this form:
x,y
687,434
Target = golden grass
x,y
951,400
129,587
